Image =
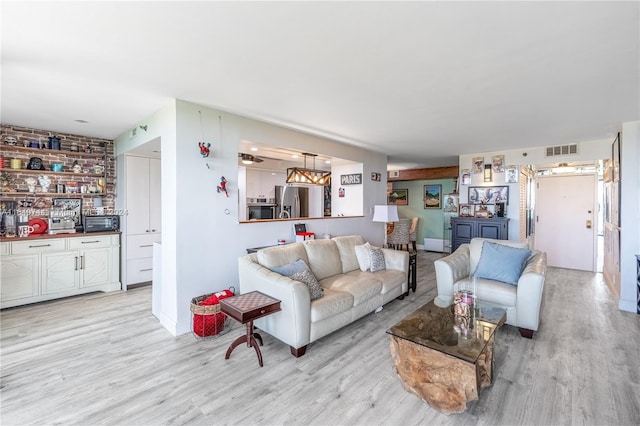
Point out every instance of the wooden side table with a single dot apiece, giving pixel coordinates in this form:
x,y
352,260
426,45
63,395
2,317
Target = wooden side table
x,y
246,308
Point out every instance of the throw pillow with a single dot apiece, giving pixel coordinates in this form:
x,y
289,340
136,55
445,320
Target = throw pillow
x,y
377,259
291,268
362,254
501,263
299,271
307,277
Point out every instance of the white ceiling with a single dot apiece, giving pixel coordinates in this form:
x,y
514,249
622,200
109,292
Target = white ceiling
x,y
421,81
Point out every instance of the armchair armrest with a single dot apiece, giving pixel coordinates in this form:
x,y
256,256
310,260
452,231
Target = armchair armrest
x,y
451,269
292,324
530,290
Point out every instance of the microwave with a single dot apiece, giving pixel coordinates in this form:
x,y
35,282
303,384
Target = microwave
x,y
105,223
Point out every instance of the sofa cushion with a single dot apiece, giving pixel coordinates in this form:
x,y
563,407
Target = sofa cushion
x,y
361,285
494,292
324,258
500,262
377,259
475,249
346,248
390,279
333,303
281,255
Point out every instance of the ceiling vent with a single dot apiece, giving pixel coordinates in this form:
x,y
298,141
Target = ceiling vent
x,y
552,151
394,173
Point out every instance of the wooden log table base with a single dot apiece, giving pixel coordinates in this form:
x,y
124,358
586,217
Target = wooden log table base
x,y
443,381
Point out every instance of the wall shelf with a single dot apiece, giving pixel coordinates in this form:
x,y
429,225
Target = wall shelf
x,y
42,151
49,172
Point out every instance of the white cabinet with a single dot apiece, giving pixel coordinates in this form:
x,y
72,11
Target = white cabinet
x,y
262,183
144,220
48,268
143,195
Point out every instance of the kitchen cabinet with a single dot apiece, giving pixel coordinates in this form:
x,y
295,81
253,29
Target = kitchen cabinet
x,y
144,220
262,183
38,269
463,229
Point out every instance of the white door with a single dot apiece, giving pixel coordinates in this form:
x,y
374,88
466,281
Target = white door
x,y
566,220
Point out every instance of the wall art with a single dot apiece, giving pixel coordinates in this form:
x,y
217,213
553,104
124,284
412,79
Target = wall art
x,y
488,194
399,197
432,196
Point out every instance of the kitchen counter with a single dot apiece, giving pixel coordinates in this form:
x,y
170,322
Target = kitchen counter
x,y
46,236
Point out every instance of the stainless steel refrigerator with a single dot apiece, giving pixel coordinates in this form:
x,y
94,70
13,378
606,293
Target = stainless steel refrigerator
x,y
292,202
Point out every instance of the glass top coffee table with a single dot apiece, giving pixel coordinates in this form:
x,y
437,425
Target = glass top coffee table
x,y
443,365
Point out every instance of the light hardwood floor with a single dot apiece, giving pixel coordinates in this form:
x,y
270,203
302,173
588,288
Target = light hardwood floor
x,y
103,359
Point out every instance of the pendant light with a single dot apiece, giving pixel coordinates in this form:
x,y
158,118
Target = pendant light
x,y
303,175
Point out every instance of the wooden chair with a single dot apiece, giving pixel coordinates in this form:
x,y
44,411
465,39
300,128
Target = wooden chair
x,y
413,231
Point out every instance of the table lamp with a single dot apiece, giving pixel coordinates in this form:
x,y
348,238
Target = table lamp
x,y
385,214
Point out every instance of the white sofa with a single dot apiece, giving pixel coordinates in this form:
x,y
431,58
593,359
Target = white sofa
x,y
349,293
522,302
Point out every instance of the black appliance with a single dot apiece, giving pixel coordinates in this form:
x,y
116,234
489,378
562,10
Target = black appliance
x,y
261,208
105,223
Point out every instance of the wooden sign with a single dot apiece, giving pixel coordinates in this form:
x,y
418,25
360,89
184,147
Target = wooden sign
x,y
351,179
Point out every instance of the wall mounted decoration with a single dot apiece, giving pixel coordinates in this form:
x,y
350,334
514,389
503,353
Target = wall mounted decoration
x,y
204,149
351,179
488,194
512,174
498,164
488,177
478,165
341,192
376,176
432,197
450,203
465,177
399,197
223,186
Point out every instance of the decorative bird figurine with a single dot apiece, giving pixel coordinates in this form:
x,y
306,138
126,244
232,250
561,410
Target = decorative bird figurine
x,y
223,186
205,149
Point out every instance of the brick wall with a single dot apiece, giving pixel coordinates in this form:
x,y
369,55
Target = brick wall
x,y
98,147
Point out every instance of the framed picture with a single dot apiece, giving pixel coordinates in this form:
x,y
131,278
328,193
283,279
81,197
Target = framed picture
x,y
467,210
465,177
432,196
478,165
512,174
450,203
488,194
399,197
498,164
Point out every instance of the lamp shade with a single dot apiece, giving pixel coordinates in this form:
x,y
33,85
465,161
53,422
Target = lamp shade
x,y
385,214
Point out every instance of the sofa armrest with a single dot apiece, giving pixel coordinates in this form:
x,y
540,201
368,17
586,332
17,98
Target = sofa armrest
x,y
530,290
451,269
396,259
292,324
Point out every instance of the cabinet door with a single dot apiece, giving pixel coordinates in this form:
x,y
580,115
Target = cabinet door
x,y
19,276
137,187
155,207
95,266
490,230
60,271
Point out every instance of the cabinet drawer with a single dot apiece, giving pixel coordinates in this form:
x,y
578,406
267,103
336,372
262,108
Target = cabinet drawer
x,y
37,246
141,245
89,242
139,270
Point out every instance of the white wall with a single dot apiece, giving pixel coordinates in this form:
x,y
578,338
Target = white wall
x,y
202,238
629,213
351,203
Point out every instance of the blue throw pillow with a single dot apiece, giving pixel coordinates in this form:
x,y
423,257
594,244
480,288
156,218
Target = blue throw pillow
x,y
501,263
291,268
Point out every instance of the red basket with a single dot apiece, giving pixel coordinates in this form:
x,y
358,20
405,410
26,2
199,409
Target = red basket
x,y
207,319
